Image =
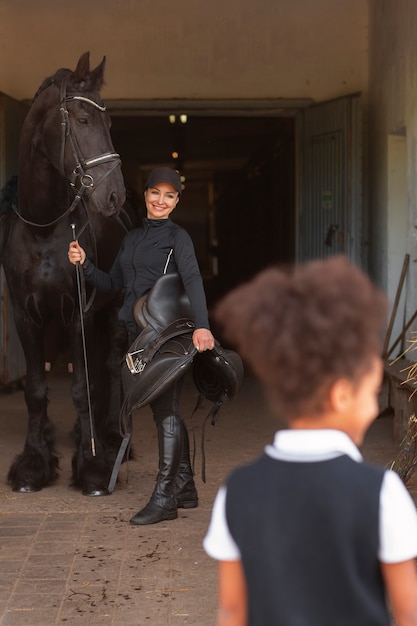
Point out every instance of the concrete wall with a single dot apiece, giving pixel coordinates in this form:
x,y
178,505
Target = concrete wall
x,y
393,147
190,48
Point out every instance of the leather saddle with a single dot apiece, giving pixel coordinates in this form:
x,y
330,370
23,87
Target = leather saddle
x,y
164,350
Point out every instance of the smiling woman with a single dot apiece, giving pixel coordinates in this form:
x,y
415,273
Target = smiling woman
x,y
162,193
160,201
159,247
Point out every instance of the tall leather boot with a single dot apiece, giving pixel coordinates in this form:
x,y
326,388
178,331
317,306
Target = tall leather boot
x,y
186,492
163,505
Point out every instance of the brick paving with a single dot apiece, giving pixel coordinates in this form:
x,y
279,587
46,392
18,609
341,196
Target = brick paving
x,y
69,559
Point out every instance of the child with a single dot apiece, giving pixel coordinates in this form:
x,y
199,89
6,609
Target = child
x,y
309,534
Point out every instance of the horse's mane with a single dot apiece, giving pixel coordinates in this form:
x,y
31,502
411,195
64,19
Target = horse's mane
x,y
51,80
75,83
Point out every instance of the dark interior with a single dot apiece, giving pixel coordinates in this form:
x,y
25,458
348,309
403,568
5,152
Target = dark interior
x,y
239,187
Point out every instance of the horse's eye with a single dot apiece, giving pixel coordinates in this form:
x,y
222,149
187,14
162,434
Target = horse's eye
x,y
83,120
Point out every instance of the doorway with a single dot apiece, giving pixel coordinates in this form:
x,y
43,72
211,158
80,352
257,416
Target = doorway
x,y
239,180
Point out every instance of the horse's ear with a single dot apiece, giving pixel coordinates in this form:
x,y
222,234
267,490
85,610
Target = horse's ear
x,y
82,72
97,75
83,67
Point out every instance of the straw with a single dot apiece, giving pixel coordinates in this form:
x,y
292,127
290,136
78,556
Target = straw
x,y
405,462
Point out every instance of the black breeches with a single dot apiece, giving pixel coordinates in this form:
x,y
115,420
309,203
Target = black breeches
x,y
168,403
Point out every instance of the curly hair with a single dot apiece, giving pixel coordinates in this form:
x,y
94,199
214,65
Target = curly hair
x,y
303,328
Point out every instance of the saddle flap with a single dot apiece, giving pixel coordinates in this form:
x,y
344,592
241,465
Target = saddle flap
x,y
145,346
169,362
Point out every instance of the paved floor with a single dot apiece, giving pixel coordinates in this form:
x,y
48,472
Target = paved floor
x,y
69,559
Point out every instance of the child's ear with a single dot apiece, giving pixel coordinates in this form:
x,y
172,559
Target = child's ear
x,y
340,395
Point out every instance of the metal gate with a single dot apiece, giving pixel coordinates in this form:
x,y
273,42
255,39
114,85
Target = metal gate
x,y
330,198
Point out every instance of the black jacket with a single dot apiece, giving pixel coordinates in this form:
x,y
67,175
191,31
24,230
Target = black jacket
x,y
159,247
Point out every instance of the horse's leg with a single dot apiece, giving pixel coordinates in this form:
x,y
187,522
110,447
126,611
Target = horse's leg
x,y
37,466
91,468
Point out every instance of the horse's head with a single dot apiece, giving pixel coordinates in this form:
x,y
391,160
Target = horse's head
x,y
70,132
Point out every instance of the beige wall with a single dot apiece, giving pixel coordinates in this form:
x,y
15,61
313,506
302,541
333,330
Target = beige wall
x,y
190,48
393,120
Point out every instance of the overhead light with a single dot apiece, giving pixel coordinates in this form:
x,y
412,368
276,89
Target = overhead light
x,y
174,155
183,118
172,119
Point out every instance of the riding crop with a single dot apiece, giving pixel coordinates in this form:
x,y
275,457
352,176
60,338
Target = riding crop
x,y
87,380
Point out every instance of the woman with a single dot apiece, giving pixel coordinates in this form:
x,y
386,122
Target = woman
x,y
159,247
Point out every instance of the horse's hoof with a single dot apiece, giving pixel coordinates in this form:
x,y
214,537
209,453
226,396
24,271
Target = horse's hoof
x,y
26,489
95,492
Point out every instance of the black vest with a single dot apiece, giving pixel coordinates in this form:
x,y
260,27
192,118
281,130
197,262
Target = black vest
x,y
308,534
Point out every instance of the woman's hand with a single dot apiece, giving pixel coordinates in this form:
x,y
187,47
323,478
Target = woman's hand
x,y
203,339
76,254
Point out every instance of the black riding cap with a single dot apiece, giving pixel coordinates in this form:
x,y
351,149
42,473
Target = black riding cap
x,y
164,175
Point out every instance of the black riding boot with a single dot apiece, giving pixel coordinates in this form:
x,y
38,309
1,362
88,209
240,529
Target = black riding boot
x,y
186,491
162,505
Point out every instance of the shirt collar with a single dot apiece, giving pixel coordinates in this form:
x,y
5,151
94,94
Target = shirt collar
x,y
154,223
312,445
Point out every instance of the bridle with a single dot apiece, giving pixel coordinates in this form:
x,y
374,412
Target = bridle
x,y
79,173
80,180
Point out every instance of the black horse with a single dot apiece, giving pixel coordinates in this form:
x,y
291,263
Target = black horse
x,y
69,184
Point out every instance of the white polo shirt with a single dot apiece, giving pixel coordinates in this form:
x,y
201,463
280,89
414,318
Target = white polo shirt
x,y
397,512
